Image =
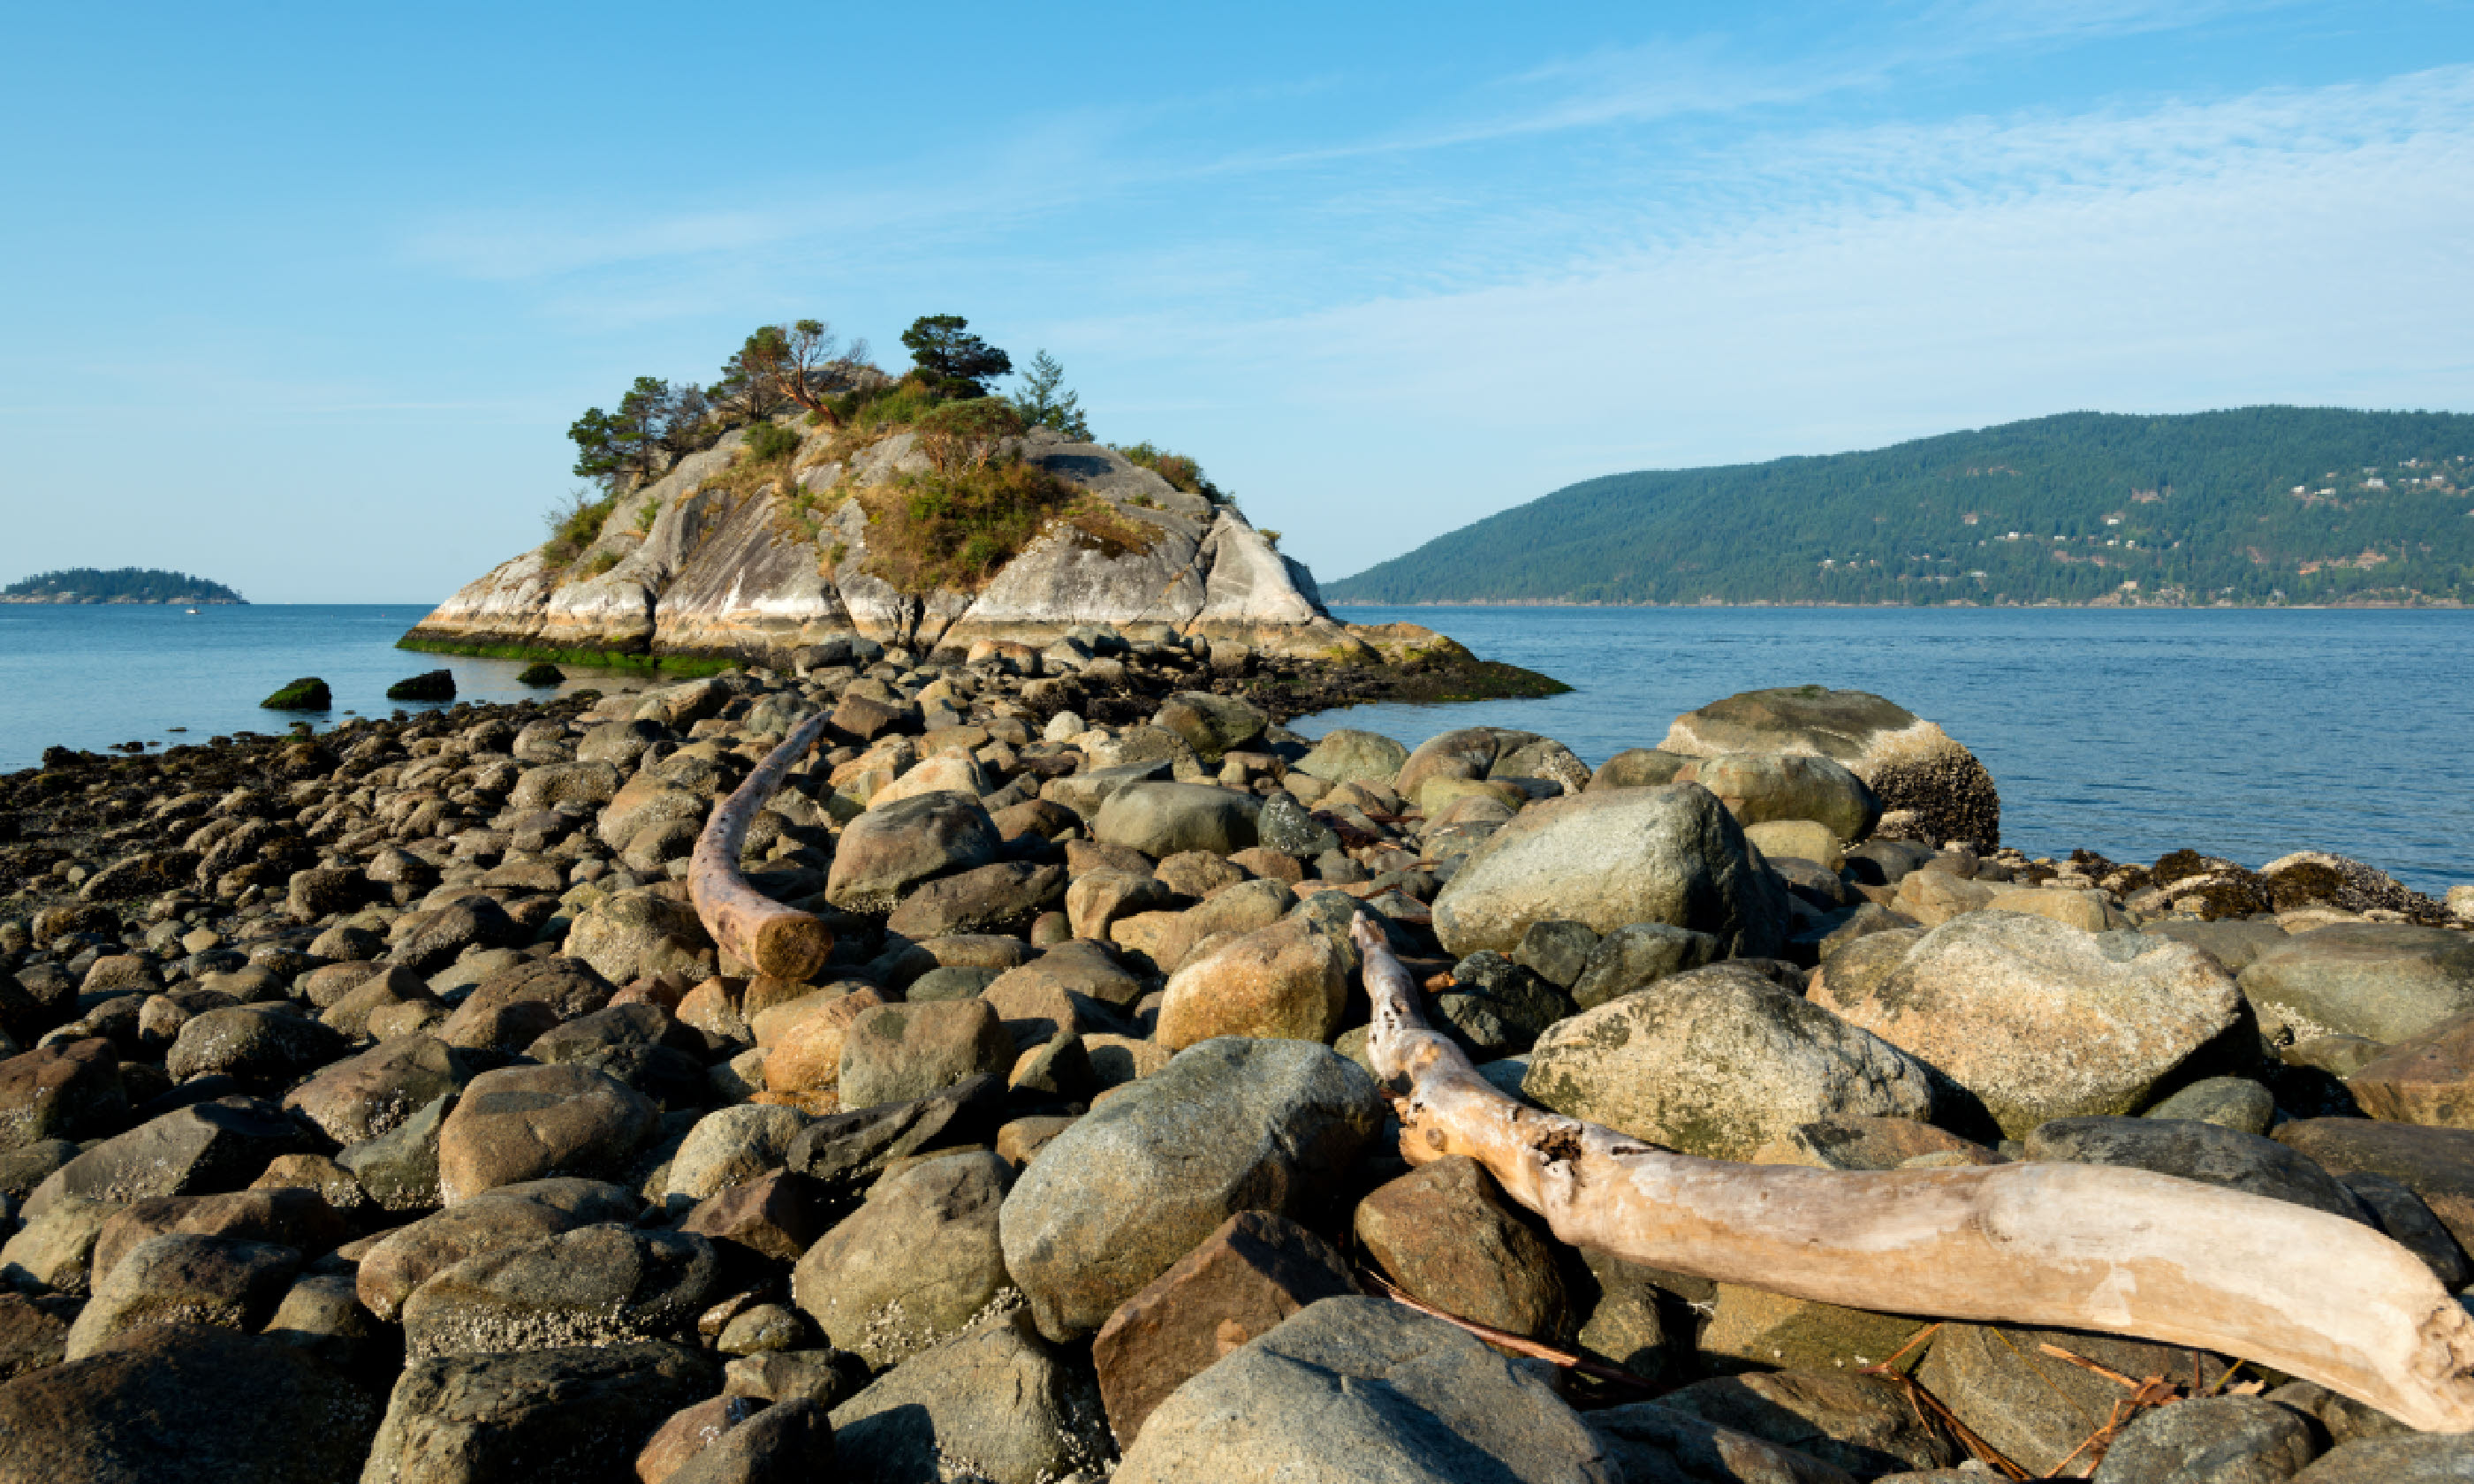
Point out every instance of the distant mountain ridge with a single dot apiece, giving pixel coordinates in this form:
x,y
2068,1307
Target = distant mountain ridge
x,y
2251,506
119,584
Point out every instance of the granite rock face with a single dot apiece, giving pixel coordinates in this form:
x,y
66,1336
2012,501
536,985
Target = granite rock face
x,y
710,571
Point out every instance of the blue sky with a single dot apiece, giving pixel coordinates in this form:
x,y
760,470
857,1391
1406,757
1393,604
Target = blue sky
x,y
304,299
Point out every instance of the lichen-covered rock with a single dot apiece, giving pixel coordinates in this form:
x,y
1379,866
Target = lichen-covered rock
x,y
1671,856
1720,1062
913,1266
2040,1021
2386,981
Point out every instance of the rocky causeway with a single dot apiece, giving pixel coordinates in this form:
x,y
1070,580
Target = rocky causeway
x,y
378,1103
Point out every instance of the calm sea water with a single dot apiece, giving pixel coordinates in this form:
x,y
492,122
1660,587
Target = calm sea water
x,y
91,677
2245,733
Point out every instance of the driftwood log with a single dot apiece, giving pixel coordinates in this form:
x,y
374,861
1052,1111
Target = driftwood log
x,y
782,943
2073,1246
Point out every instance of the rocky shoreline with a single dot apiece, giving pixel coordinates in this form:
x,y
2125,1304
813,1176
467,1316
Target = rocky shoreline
x,y
374,1104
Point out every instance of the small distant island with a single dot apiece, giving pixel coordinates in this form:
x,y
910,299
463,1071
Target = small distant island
x,y
120,585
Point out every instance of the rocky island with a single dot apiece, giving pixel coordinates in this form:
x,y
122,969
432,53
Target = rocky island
x,y
1150,1092
121,584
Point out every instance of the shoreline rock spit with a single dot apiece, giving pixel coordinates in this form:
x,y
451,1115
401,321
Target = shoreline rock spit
x,y
376,1104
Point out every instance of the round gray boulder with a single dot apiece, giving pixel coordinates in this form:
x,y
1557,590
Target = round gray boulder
x,y
1671,856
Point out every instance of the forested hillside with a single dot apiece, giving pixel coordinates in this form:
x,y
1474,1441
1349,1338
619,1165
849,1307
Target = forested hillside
x,y
2260,505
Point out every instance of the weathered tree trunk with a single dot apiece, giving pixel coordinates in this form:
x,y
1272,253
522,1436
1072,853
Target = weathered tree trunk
x,y
2076,1246
779,941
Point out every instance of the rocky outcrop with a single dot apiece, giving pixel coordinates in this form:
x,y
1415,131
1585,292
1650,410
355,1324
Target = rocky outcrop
x,y
711,560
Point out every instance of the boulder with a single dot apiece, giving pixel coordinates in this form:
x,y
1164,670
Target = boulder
x,y
620,937
361,1097
1669,855
895,1053
845,1152
994,898
524,1123
572,1416
186,1278
1346,756
2386,981
2435,1458
2228,1102
179,1401
915,1265
1445,1234
295,1218
1910,764
731,1146
1282,981
1098,898
1648,1440
1497,1008
1228,1125
1862,1425
260,1044
1559,951
399,1169
206,1147
2037,1409
2190,1150
2437,1164
1720,1062
777,1215
69,1090
400,1261
1761,787
1162,819
1211,724
2040,1021
993,1399
1164,939
1240,1282
882,855
1638,767
594,1285
788,1443
2222,1440
54,1249
1637,956
1357,1389
2427,1078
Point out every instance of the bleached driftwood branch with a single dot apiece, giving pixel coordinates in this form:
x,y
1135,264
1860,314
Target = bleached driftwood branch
x,y
779,941
2075,1246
